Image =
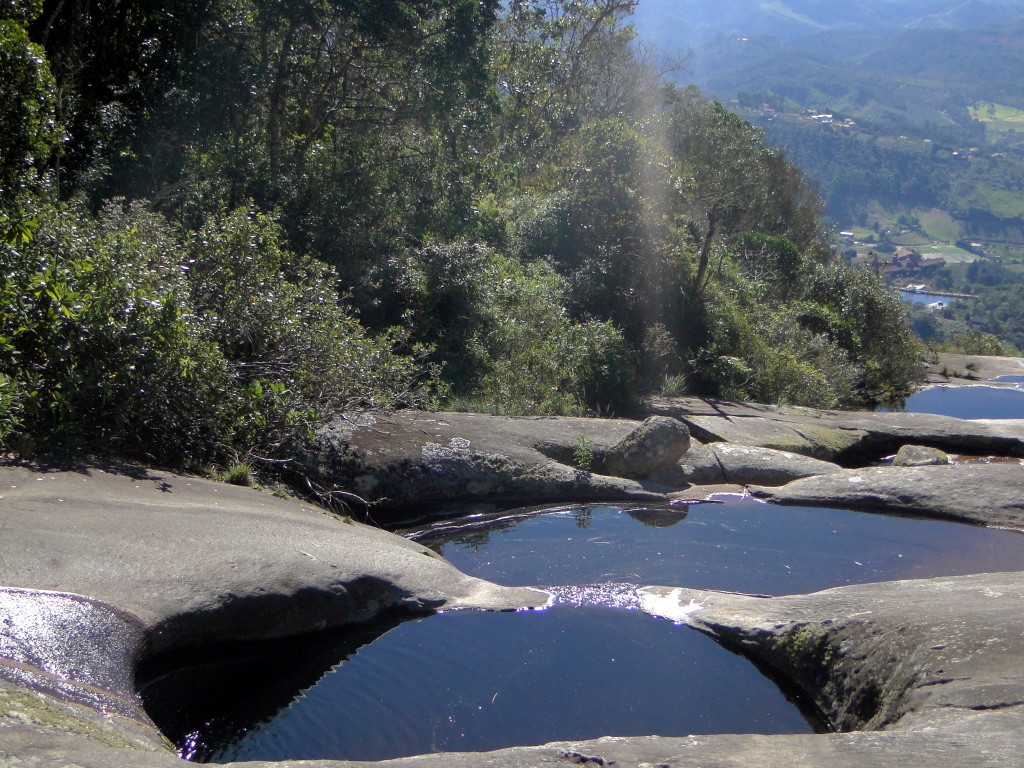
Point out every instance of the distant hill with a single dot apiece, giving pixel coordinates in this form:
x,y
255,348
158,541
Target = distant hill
x,y
926,99
683,24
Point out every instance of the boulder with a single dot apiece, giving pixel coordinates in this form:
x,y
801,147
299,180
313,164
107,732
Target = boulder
x,y
657,444
919,456
698,466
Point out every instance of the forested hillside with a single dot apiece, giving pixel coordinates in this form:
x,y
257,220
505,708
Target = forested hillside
x,y
896,109
223,222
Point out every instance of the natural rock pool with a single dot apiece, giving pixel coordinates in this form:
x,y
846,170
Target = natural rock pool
x,y
593,664
970,402
739,545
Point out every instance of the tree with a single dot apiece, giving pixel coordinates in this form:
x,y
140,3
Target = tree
x,y
29,133
732,182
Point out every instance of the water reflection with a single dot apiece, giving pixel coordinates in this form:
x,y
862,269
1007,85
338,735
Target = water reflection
x,y
469,681
741,545
972,402
592,664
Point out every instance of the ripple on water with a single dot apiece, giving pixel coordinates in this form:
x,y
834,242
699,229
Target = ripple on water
x,y
475,681
741,545
597,661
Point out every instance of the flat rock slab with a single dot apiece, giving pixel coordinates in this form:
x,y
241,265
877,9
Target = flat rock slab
x,y
937,665
415,462
198,561
984,494
982,367
846,437
753,465
104,566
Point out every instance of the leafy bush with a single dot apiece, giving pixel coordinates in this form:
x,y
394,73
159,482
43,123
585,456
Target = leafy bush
x,y
876,335
974,342
503,332
27,104
100,339
122,336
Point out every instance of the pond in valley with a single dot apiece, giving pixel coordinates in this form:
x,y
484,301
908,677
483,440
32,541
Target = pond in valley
x,y
592,664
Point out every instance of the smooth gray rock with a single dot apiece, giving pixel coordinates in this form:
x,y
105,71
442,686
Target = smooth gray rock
x,y
655,445
937,665
845,437
975,367
892,655
197,561
698,466
103,566
985,494
410,462
752,465
919,456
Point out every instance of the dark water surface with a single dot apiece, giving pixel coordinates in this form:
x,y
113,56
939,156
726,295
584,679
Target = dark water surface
x,y
593,664
741,545
974,402
470,681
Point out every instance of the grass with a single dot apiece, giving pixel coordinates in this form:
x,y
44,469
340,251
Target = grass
x,y
998,118
911,239
1004,202
950,253
939,225
990,112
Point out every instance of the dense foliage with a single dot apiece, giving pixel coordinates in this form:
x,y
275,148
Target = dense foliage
x,y
227,221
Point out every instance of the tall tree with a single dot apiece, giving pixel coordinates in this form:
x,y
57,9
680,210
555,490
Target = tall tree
x,y
29,133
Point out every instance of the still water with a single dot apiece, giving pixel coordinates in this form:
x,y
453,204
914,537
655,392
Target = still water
x,y
973,402
592,664
741,545
929,298
470,681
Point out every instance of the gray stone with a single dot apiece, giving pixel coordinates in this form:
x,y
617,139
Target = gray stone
x,y
411,463
846,437
752,465
985,494
974,367
196,561
698,466
657,444
919,456
134,561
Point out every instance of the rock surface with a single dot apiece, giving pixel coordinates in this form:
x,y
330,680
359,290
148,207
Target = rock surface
x,y
973,368
919,456
103,567
412,462
985,494
657,444
752,465
851,438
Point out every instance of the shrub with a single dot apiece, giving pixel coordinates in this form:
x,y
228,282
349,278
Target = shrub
x,y
101,341
121,336
504,334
